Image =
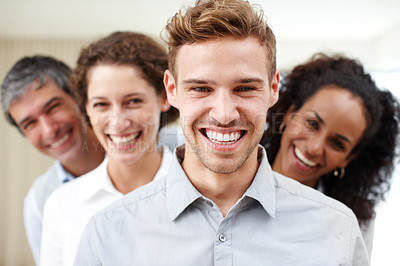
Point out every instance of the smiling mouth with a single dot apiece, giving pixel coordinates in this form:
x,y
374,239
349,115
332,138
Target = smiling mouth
x,y
124,140
303,158
223,138
61,141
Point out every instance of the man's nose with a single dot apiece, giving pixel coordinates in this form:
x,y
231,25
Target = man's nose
x,y
48,126
224,108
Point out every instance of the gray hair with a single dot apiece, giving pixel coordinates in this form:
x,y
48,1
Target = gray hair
x,y
28,70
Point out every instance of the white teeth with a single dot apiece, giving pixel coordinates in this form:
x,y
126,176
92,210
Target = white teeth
x,y
214,135
303,159
61,141
125,140
226,137
221,138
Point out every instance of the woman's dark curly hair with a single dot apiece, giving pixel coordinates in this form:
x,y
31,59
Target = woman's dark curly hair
x,y
124,48
368,175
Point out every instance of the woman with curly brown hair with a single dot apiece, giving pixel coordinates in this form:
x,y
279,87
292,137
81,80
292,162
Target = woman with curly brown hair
x,y
119,80
334,130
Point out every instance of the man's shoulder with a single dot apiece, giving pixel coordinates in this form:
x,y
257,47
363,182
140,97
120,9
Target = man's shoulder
x,y
78,184
299,194
43,186
48,181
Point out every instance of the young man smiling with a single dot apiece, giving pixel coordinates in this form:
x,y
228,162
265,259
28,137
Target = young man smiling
x,y
37,99
222,111
221,204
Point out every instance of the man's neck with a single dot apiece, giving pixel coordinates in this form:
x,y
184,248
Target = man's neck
x,y
223,189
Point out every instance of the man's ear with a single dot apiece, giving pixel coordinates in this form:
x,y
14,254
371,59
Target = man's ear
x,y
274,89
165,106
170,88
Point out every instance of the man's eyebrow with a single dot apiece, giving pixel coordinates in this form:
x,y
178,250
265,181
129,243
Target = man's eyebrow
x,y
209,81
49,102
250,80
198,81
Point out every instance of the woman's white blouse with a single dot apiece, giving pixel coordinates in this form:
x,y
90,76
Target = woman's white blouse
x,y
70,207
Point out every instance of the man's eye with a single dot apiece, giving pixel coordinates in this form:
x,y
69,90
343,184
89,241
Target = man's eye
x,y
135,101
53,107
200,89
244,89
28,125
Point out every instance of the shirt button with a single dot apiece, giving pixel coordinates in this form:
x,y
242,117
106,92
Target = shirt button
x,y
222,238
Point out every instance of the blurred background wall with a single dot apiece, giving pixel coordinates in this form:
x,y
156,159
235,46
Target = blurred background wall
x,y
368,30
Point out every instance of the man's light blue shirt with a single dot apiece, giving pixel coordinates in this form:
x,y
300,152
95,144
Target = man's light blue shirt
x,y
34,202
278,221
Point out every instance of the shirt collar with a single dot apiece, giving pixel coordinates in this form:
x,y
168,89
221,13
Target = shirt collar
x,y
165,163
180,193
262,189
63,175
95,181
98,179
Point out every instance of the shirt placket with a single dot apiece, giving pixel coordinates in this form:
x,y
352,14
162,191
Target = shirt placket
x,y
223,244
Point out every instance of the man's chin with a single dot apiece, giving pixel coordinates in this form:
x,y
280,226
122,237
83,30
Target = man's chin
x,y
220,164
68,156
222,170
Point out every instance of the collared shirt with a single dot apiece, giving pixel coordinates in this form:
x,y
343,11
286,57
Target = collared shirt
x,y
367,230
277,221
171,135
34,202
63,175
69,208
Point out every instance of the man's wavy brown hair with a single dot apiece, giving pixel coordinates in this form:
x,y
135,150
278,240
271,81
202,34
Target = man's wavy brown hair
x,y
210,19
